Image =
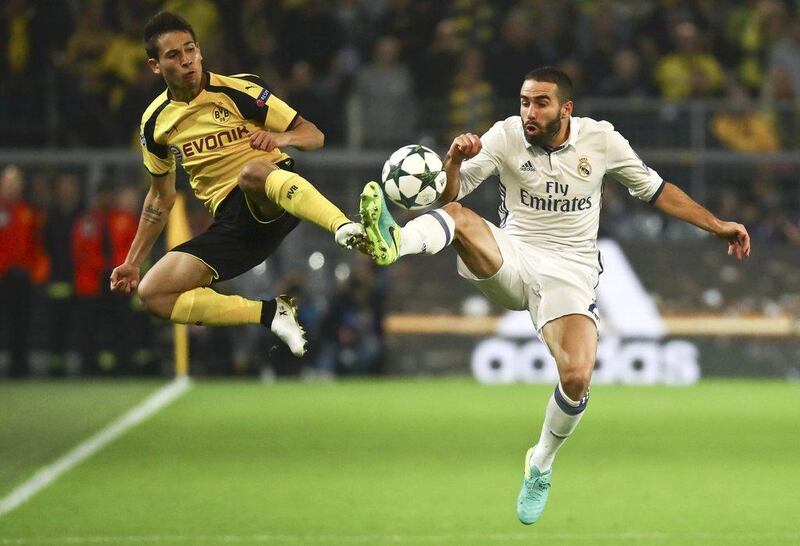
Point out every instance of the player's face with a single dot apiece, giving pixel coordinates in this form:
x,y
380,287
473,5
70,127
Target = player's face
x,y
541,111
179,61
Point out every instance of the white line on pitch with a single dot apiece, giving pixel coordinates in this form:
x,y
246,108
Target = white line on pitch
x,y
503,538
48,474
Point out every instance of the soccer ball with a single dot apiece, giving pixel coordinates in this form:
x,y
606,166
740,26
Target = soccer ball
x,y
413,177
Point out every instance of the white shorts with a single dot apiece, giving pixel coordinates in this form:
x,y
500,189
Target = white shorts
x,y
548,283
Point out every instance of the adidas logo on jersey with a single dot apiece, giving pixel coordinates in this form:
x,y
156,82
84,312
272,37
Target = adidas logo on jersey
x,y
527,167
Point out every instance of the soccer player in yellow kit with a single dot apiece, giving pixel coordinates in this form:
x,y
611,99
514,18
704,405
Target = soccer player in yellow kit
x,y
228,132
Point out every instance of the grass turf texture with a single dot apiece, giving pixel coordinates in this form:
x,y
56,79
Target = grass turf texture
x,y
413,462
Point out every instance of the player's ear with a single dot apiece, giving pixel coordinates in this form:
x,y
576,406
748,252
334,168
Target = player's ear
x,y
154,66
566,109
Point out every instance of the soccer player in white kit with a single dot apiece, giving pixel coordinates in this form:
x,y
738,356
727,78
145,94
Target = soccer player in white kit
x,y
543,257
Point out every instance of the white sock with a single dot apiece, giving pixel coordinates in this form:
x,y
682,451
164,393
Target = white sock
x,y
427,234
560,419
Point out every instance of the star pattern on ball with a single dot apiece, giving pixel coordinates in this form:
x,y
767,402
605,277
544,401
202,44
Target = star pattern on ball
x,y
428,178
411,165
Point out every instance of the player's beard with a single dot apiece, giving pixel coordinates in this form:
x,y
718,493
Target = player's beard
x,y
545,134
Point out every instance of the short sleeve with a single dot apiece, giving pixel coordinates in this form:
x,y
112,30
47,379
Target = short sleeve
x,y
280,115
486,163
157,158
624,166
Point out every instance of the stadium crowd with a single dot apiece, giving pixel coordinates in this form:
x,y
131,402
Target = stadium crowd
x,y
370,74
444,66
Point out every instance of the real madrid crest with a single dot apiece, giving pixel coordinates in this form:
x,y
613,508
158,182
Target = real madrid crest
x,y
584,167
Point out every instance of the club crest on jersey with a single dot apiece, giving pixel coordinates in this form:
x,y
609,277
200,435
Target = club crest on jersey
x,y
221,115
262,98
584,167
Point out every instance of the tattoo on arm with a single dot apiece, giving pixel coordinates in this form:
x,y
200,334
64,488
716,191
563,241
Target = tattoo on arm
x,y
152,214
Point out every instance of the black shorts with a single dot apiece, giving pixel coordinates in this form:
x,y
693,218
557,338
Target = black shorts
x,y
236,241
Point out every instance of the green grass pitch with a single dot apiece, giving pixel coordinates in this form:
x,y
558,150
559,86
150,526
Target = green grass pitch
x,y
403,462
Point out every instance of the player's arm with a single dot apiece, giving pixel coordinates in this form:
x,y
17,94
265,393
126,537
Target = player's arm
x,y
155,212
464,147
673,201
301,134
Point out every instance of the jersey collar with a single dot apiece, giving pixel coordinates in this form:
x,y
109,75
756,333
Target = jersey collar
x,y
206,76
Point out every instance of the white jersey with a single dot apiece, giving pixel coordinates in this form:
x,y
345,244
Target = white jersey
x,y
553,198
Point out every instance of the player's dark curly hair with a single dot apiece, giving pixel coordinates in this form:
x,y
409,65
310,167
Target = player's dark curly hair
x,y
161,23
556,76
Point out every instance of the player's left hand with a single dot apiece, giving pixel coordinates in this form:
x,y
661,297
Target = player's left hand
x,y
737,237
267,140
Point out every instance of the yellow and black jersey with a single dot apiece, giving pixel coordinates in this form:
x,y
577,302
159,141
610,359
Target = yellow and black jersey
x,y
209,134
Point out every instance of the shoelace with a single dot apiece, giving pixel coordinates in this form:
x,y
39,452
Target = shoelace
x,y
535,488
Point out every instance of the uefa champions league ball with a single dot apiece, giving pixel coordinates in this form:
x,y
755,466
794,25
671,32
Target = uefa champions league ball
x,y
413,177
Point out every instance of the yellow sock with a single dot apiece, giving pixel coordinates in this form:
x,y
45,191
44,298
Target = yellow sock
x,y
204,306
299,198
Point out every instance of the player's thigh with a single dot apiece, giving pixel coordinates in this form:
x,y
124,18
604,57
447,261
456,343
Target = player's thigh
x,y
508,286
252,180
474,242
174,273
572,340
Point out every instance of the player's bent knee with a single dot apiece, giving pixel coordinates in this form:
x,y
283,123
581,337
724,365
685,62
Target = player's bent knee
x,y
153,300
461,215
254,174
576,382
468,223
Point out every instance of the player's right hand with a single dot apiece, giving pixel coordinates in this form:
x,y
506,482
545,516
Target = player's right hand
x,y
124,278
465,146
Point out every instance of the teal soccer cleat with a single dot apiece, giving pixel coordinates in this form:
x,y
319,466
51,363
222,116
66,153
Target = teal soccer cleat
x,y
383,233
533,495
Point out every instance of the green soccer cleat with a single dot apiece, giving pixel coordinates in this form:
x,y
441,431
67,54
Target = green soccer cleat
x,y
383,233
533,495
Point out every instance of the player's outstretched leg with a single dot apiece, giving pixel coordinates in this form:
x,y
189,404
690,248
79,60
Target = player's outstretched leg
x,y
532,497
286,326
383,233
387,241
204,306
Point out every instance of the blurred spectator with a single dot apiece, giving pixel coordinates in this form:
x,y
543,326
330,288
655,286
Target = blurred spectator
x,y
61,217
351,339
101,237
785,57
413,22
599,42
17,239
471,107
302,91
83,87
751,28
573,68
626,78
384,93
690,71
256,45
205,18
23,62
515,54
40,197
307,31
740,127
435,70
131,325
